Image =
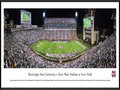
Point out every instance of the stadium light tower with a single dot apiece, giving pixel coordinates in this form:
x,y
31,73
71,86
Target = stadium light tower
x,y
43,14
76,14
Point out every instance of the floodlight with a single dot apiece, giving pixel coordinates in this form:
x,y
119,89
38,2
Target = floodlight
x,y
76,14
43,14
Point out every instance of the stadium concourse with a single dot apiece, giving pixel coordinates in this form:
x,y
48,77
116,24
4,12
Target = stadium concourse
x,y
17,53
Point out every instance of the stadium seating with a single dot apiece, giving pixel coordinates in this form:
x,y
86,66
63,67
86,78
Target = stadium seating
x,y
18,54
60,23
59,29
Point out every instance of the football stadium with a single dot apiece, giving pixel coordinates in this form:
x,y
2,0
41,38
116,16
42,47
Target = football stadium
x,y
59,38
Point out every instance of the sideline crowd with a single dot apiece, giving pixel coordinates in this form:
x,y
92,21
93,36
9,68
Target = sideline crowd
x,y
17,53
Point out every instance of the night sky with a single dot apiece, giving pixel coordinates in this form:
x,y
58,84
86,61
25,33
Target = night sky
x,y
102,16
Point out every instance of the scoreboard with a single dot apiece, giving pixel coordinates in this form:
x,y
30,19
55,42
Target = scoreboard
x,y
25,17
87,22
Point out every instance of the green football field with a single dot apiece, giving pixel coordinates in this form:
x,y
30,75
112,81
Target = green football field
x,y
52,47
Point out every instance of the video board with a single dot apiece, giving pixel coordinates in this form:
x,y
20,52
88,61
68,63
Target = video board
x,y
25,17
87,22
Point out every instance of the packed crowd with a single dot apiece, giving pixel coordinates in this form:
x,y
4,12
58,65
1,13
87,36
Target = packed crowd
x,y
26,25
17,53
60,23
58,35
59,28
62,55
60,20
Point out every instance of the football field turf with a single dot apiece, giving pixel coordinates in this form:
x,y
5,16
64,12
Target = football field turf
x,y
52,47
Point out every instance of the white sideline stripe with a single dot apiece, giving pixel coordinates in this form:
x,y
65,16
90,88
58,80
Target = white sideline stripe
x,y
60,41
80,44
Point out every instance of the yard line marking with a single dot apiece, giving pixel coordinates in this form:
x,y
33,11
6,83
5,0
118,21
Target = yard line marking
x,y
80,44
